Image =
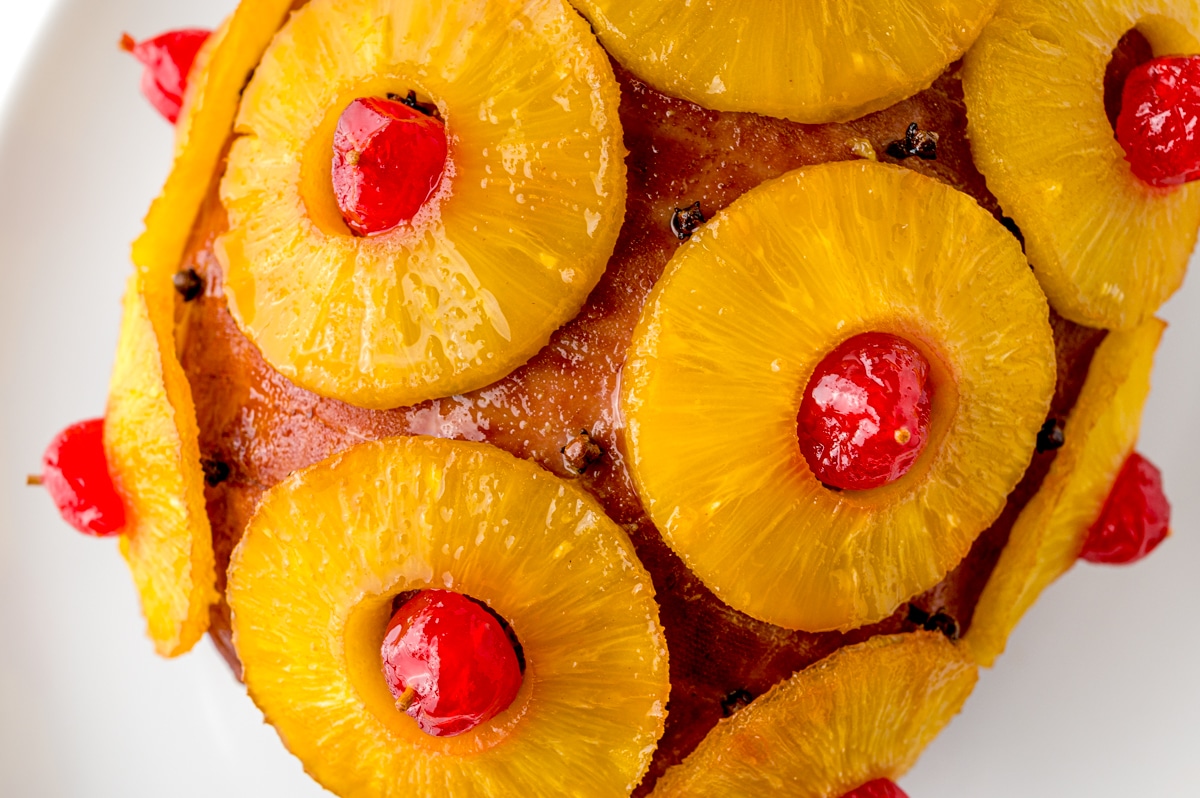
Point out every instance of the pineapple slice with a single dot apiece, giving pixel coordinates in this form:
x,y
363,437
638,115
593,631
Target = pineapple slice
x,y
311,587
505,251
1107,248
151,438
864,713
203,129
151,444
725,347
802,60
1046,538
198,86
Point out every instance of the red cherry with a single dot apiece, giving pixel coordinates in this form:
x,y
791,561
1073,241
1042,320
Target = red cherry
x,y
388,158
880,788
864,418
75,474
1135,518
168,58
1159,123
449,663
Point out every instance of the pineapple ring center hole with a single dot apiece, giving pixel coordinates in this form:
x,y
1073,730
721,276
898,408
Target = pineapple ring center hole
x,y
364,630
864,417
400,599
1131,51
316,161
942,386
1150,38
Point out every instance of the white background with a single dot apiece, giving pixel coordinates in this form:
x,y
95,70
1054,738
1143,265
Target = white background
x,y
1097,697
20,23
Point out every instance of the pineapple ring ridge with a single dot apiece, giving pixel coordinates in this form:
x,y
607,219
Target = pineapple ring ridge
x,y
809,61
729,338
1050,531
310,588
518,233
151,445
151,433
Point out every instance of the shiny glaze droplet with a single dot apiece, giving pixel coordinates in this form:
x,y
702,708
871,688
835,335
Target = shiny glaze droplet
x,y
449,663
75,474
1135,519
864,417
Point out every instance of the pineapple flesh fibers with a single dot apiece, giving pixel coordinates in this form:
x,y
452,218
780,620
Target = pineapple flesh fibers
x,y
311,587
504,252
729,338
1107,248
804,60
864,713
1046,538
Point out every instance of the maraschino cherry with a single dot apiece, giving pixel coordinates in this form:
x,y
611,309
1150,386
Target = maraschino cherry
x,y
1135,518
388,158
880,788
1159,123
864,418
449,663
75,474
167,59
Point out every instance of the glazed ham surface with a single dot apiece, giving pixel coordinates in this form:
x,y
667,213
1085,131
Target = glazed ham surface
x,y
560,409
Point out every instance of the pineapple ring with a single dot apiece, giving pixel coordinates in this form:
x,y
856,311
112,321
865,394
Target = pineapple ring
x,y
866,712
726,345
311,587
205,123
1047,536
797,59
151,438
504,253
1107,248
151,442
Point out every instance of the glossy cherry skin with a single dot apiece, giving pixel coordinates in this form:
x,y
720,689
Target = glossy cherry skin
x,y
1159,123
457,659
167,59
388,159
1135,519
75,474
864,416
880,788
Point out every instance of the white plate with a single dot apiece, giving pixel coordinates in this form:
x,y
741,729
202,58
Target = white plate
x,y
1097,697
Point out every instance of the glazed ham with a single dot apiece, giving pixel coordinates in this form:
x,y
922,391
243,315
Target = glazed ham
x,y
560,409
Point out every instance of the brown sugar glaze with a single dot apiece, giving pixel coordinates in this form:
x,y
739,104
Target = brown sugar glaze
x,y
559,410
